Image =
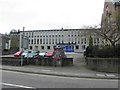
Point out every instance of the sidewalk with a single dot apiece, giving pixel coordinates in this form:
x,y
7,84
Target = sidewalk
x,y
61,71
79,70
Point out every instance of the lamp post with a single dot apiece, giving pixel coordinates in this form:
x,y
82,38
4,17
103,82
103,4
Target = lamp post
x,y
22,45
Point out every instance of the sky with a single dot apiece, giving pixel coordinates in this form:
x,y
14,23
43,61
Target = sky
x,y
49,14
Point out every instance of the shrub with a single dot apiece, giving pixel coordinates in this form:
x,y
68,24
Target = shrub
x,y
104,52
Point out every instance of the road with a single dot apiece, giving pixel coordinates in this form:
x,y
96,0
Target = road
x,y
12,79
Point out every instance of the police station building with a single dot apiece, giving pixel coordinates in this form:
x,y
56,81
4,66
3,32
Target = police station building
x,y
72,40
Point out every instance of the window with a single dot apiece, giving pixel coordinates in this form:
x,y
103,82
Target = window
x,y
77,47
46,41
40,41
49,41
98,40
53,41
81,41
32,41
48,47
42,47
56,41
29,41
30,47
85,40
37,41
83,47
43,41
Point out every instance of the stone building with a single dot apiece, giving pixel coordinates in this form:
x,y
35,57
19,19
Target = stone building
x,y
73,40
4,43
111,20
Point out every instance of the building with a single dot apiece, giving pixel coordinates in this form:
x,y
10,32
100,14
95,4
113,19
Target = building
x,y
4,43
15,40
111,21
73,40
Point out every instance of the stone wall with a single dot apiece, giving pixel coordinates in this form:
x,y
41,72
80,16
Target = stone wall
x,y
103,64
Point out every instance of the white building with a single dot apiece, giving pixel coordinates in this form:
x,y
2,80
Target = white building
x,y
73,40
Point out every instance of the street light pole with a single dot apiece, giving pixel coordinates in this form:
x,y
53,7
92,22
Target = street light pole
x,y
22,46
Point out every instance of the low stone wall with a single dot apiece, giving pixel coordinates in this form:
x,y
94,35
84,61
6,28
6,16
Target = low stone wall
x,y
14,61
43,61
103,64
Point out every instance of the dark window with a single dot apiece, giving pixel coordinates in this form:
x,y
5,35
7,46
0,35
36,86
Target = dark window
x,y
40,41
32,41
30,47
42,47
43,41
53,41
98,40
29,41
77,47
37,41
48,47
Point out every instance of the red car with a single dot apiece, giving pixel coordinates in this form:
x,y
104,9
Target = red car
x,y
18,54
49,54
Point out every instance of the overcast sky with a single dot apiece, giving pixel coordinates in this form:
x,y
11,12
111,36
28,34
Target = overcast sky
x,y
49,14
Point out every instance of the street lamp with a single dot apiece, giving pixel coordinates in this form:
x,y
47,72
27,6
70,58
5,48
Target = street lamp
x,y
22,45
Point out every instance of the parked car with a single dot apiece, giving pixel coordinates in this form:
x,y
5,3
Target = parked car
x,y
42,54
59,56
18,54
49,54
30,54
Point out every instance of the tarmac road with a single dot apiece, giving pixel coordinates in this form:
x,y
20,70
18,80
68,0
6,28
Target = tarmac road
x,y
11,79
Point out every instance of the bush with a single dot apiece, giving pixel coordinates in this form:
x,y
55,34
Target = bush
x,y
104,52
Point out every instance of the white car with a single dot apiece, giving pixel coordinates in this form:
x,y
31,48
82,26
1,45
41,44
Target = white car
x,y
42,54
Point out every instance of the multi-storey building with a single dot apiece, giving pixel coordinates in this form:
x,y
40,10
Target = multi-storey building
x,y
4,43
111,20
73,40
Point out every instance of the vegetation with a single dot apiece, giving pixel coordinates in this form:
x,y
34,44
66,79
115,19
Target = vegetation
x,y
103,52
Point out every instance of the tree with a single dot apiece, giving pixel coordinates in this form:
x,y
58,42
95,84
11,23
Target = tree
x,y
90,41
110,30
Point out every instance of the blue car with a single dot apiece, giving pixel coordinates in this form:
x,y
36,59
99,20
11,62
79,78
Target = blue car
x,y
30,54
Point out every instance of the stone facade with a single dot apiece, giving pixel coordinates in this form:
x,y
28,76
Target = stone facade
x,y
73,40
111,19
4,43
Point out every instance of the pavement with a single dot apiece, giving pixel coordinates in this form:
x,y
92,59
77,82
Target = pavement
x,y
78,70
